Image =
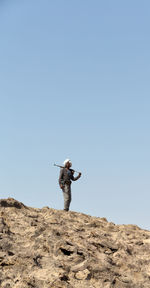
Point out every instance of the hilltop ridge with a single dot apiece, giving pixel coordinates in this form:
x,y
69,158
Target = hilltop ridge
x,y
52,249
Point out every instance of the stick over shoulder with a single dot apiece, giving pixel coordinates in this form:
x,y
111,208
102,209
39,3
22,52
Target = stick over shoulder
x,y
64,167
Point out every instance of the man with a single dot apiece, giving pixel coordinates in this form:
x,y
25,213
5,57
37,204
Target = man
x,y
66,175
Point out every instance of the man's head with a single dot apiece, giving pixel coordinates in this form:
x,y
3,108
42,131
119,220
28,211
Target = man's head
x,y
67,163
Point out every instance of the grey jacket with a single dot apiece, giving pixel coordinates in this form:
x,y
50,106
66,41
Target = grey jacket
x,y
66,175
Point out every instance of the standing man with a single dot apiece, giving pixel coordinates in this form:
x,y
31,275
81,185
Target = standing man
x,y
66,175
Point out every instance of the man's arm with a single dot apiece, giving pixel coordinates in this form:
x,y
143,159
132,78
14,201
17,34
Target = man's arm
x,y
76,178
61,178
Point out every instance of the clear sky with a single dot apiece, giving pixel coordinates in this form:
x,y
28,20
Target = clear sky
x,y
74,82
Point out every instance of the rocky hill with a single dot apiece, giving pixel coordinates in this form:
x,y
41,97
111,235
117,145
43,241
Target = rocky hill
x,y
47,248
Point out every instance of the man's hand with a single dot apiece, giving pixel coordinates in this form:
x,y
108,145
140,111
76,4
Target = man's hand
x,y
61,186
80,174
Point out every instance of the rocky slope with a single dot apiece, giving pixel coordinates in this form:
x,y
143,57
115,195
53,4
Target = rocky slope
x,y
51,248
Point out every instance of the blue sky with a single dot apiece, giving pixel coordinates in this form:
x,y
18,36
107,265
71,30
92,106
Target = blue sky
x,y
74,82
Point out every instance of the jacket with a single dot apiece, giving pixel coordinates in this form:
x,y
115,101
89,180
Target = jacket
x,y
66,175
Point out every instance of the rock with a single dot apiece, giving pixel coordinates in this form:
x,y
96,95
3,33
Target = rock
x,y
10,202
51,249
83,275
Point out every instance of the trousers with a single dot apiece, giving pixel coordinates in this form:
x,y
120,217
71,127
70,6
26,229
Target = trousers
x,y
67,196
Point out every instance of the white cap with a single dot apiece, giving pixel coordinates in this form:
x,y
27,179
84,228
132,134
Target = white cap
x,y
66,161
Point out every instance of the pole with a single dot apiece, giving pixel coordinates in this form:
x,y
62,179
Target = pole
x,y
64,167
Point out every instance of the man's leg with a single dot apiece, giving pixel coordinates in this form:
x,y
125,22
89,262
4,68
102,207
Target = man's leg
x,y
67,196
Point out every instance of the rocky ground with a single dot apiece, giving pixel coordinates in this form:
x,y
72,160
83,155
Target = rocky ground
x,y
47,248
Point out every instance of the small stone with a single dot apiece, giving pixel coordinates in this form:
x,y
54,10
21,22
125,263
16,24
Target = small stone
x,y
82,275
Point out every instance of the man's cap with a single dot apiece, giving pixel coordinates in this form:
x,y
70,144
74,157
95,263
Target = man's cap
x,y
66,161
